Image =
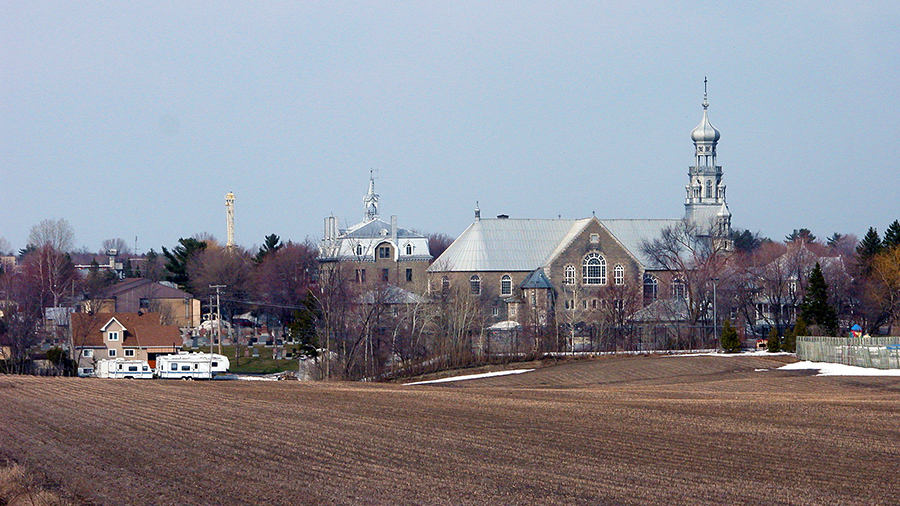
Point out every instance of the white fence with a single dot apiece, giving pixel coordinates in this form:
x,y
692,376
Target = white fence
x,y
875,352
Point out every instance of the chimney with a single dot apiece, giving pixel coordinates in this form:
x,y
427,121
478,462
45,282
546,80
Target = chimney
x,y
394,229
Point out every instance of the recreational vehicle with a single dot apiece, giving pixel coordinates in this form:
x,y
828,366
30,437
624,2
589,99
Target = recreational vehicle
x,y
121,368
191,365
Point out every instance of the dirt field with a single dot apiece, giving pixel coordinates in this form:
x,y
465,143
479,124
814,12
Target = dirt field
x,y
641,430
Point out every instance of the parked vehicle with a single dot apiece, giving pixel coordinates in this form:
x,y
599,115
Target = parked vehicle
x,y
186,365
123,368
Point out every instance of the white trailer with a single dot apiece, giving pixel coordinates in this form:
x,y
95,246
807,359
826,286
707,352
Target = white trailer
x,y
123,368
186,365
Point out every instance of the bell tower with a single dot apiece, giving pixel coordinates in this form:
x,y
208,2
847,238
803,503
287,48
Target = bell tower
x,y
704,202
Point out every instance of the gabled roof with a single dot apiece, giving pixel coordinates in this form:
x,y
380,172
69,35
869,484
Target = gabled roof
x,y
632,234
506,245
537,279
148,289
527,244
142,330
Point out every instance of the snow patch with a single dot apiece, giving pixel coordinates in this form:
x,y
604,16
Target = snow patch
x,y
829,369
472,376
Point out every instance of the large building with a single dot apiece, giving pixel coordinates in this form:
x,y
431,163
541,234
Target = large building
x,y
531,271
374,251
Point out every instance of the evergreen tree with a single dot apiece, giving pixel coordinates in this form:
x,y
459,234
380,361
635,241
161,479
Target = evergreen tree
x,y
271,245
804,234
892,235
815,308
177,259
774,343
869,246
731,343
790,338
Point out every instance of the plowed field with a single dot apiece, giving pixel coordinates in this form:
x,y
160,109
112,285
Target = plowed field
x,y
641,430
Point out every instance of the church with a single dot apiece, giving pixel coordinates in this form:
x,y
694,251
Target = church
x,y
532,272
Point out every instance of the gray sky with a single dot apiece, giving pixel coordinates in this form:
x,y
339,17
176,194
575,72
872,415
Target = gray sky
x,y
136,118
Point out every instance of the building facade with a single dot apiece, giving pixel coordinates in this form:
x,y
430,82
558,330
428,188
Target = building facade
x,y
375,252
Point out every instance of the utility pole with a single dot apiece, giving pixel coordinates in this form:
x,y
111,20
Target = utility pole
x,y
715,311
218,314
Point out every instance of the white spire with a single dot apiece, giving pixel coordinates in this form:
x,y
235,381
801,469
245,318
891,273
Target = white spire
x,y
371,199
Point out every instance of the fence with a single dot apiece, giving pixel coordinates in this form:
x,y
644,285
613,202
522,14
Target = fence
x,y
875,352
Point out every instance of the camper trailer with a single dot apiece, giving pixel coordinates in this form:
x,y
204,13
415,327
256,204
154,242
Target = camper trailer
x,y
121,368
191,365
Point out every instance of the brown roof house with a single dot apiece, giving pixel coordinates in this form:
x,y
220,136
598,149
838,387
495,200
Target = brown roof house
x,y
175,307
138,336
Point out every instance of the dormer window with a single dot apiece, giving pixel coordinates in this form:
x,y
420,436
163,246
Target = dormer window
x,y
359,250
112,335
409,249
384,252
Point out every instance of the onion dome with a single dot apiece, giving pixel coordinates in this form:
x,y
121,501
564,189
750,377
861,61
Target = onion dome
x,y
705,132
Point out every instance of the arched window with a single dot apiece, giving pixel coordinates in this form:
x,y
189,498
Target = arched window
x,y
679,290
708,189
569,276
409,249
475,284
619,274
506,285
651,287
359,250
593,269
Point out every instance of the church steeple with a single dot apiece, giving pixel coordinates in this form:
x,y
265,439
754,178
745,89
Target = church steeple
x,y
705,191
371,199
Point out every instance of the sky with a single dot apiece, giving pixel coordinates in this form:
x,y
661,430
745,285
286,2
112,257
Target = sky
x,y
133,120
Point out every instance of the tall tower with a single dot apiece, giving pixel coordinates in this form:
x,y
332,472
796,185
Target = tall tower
x,y
229,219
705,192
371,199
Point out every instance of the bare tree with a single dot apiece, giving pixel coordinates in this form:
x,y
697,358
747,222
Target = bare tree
x,y
697,260
56,233
118,244
438,243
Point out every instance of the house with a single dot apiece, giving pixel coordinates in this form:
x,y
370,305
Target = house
x,y
138,336
582,274
374,251
175,306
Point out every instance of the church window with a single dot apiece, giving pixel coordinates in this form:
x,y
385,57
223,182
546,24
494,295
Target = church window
x,y
409,249
569,276
679,290
475,284
619,274
651,287
506,285
709,189
593,269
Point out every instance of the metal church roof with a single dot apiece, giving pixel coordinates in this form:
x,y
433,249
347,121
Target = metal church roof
x,y
506,244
